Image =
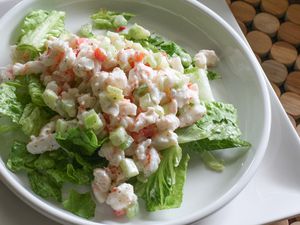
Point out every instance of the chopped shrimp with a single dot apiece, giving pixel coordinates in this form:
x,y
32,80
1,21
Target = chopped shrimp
x,y
121,197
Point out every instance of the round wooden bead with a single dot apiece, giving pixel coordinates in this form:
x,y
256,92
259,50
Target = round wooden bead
x,y
243,27
281,222
243,11
275,71
293,121
291,103
259,42
289,32
293,13
276,89
275,7
284,52
292,82
297,63
266,23
253,2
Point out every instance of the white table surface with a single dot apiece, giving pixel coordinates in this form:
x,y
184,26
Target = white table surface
x,y
273,193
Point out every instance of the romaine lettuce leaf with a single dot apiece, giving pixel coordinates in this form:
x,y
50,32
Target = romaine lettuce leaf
x,y
20,100
10,105
37,27
157,43
20,159
213,75
163,189
33,119
76,139
218,129
80,204
44,187
35,90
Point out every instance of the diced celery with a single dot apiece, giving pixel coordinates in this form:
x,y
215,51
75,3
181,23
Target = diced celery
x,y
69,106
186,59
118,136
86,30
91,120
132,210
129,168
151,61
119,21
138,32
63,125
114,93
161,60
200,78
159,110
129,140
146,101
50,98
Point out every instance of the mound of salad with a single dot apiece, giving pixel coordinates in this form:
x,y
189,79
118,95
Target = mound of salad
x,y
114,108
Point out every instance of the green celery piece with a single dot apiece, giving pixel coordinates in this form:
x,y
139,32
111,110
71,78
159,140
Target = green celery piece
x,y
106,19
80,204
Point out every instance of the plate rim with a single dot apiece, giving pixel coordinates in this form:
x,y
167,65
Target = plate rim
x,y
59,216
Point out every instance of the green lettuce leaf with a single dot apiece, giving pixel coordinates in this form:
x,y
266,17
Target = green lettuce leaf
x,y
78,176
157,43
80,204
106,19
44,187
20,100
20,159
36,90
163,189
218,129
10,105
33,119
76,139
212,75
37,27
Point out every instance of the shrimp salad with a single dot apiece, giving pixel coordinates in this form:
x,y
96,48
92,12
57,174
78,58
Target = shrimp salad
x,y
114,108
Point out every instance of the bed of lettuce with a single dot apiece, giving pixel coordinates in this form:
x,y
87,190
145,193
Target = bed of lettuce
x,y
21,102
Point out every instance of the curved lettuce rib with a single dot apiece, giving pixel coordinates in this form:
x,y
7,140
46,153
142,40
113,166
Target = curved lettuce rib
x,y
218,129
164,188
37,27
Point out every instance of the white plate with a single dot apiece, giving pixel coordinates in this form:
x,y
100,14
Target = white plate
x,y
194,27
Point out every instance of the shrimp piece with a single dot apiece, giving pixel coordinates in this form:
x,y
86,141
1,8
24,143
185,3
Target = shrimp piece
x,y
145,119
101,184
45,141
206,58
164,140
168,122
121,197
112,154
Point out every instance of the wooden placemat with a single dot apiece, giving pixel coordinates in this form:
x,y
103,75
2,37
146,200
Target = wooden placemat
x,y
272,28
